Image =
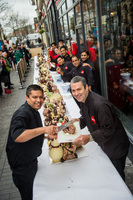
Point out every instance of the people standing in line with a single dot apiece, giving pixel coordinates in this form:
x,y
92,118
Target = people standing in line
x,y
25,140
1,89
99,116
10,57
79,70
25,53
8,68
4,76
14,48
18,54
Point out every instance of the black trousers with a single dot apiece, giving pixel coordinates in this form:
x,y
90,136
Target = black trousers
x,y
119,164
23,179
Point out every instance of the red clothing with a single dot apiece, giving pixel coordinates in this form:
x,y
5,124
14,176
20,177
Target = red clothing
x,y
52,55
92,54
74,49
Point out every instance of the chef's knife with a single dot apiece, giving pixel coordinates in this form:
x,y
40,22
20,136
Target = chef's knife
x,y
66,125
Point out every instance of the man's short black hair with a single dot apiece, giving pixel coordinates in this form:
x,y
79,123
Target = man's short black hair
x,y
53,43
63,47
77,79
61,40
34,87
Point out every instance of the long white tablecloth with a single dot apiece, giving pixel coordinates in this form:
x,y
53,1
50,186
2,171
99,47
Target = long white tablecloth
x,y
87,178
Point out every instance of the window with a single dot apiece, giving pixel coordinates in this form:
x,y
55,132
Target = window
x,y
69,3
66,28
72,25
118,51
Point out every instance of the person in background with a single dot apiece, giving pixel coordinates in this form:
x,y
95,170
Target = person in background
x,y
8,68
25,140
4,77
25,53
60,43
85,60
28,43
65,67
99,116
18,54
79,70
65,54
1,90
10,57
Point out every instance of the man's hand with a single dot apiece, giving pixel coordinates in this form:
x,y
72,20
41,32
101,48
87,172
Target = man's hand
x,y
48,60
81,140
69,48
86,64
48,49
58,69
51,130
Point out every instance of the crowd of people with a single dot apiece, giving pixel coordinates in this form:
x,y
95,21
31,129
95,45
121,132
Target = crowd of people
x,y
68,64
118,52
9,58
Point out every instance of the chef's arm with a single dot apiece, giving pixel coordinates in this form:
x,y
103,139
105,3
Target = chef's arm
x,y
29,134
81,140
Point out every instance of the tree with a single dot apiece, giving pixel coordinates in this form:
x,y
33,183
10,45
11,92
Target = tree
x,y
3,7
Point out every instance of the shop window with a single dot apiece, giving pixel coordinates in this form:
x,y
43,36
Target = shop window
x,y
72,25
60,12
69,3
62,28
78,14
66,32
118,52
63,7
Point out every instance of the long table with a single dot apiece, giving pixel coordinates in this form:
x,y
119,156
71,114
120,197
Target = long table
x,y
91,177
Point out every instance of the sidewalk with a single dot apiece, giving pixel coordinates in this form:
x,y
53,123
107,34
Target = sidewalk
x,y
7,107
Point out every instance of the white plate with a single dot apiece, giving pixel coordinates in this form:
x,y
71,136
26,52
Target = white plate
x,y
65,137
67,96
81,152
53,72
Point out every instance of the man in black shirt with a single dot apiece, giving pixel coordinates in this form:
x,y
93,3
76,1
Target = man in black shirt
x,y
65,54
25,140
106,129
65,67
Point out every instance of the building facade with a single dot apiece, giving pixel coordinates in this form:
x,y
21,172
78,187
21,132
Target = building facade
x,y
105,29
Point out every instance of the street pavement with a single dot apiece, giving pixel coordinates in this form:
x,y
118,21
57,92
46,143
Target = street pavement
x,y
8,105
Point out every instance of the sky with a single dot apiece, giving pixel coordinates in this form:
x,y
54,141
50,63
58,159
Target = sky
x,y
23,7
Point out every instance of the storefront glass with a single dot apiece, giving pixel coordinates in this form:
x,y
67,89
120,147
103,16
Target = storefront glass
x,y
62,28
63,7
117,20
78,14
72,25
69,3
66,32
60,12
